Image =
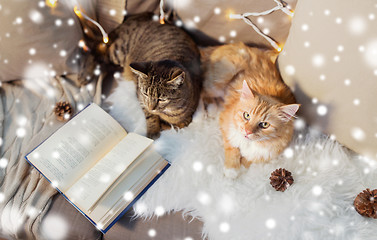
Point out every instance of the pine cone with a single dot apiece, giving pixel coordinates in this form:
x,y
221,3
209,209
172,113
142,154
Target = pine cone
x,y
366,203
63,111
281,179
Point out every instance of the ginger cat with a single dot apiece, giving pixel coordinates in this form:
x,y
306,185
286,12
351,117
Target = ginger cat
x,y
256,121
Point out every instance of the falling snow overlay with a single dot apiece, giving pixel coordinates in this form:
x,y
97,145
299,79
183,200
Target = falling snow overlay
x,y
336,43
327,179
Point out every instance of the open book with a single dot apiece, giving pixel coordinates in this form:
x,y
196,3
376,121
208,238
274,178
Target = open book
x,y
97,166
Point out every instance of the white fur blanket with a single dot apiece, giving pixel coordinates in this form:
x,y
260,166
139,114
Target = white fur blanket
x,y
319,205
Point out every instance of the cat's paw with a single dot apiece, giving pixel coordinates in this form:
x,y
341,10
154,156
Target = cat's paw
x,y
231,173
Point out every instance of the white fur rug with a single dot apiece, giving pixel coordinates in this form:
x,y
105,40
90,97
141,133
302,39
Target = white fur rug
x,y
319,205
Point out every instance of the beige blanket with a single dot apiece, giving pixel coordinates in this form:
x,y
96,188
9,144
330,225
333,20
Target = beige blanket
x,y
26,119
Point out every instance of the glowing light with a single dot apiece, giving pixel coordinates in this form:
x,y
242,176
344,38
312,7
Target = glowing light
x,y
229,14
63,53
83,45
306,44
81,14
338,20
51,3
340,48
196,19
347,82
305,27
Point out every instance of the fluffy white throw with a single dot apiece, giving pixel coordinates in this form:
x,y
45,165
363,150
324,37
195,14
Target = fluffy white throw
x,y
319,205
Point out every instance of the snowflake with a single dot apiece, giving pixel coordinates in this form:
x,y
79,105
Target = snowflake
x,y
270,223
112,12
63,53
317,190
197,166
3,163
322,110
357,25
318,60
204,198
152,233
128,196
58,22
196,19
54,227
35,16
21,132
288,152
358,134
224,227
159,211
290,70
233,33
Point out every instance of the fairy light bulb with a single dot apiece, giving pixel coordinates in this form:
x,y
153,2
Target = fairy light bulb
x,y
51,3
80,14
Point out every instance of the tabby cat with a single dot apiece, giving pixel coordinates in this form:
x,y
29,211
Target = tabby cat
x,y
256,121
164,62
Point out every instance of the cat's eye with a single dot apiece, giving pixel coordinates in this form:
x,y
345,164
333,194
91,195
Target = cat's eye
x,y
264,125
246,116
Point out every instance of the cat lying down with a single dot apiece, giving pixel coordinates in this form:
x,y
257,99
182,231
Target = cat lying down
x,y
257,117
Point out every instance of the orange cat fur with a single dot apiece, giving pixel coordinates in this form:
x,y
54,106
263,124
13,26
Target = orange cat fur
x,y
256,121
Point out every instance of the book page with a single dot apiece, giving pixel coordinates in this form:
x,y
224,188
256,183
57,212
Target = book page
x,y
86,192
128,186
72,150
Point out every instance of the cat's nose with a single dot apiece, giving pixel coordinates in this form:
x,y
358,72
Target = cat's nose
x,y
248,132
152,105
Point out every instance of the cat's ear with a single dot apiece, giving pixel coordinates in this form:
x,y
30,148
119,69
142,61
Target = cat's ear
x,y
139,68
177,78
288,111
246,92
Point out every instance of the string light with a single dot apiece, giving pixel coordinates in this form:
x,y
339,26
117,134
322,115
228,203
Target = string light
x,y
244,16
79,13
51,3
162,13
